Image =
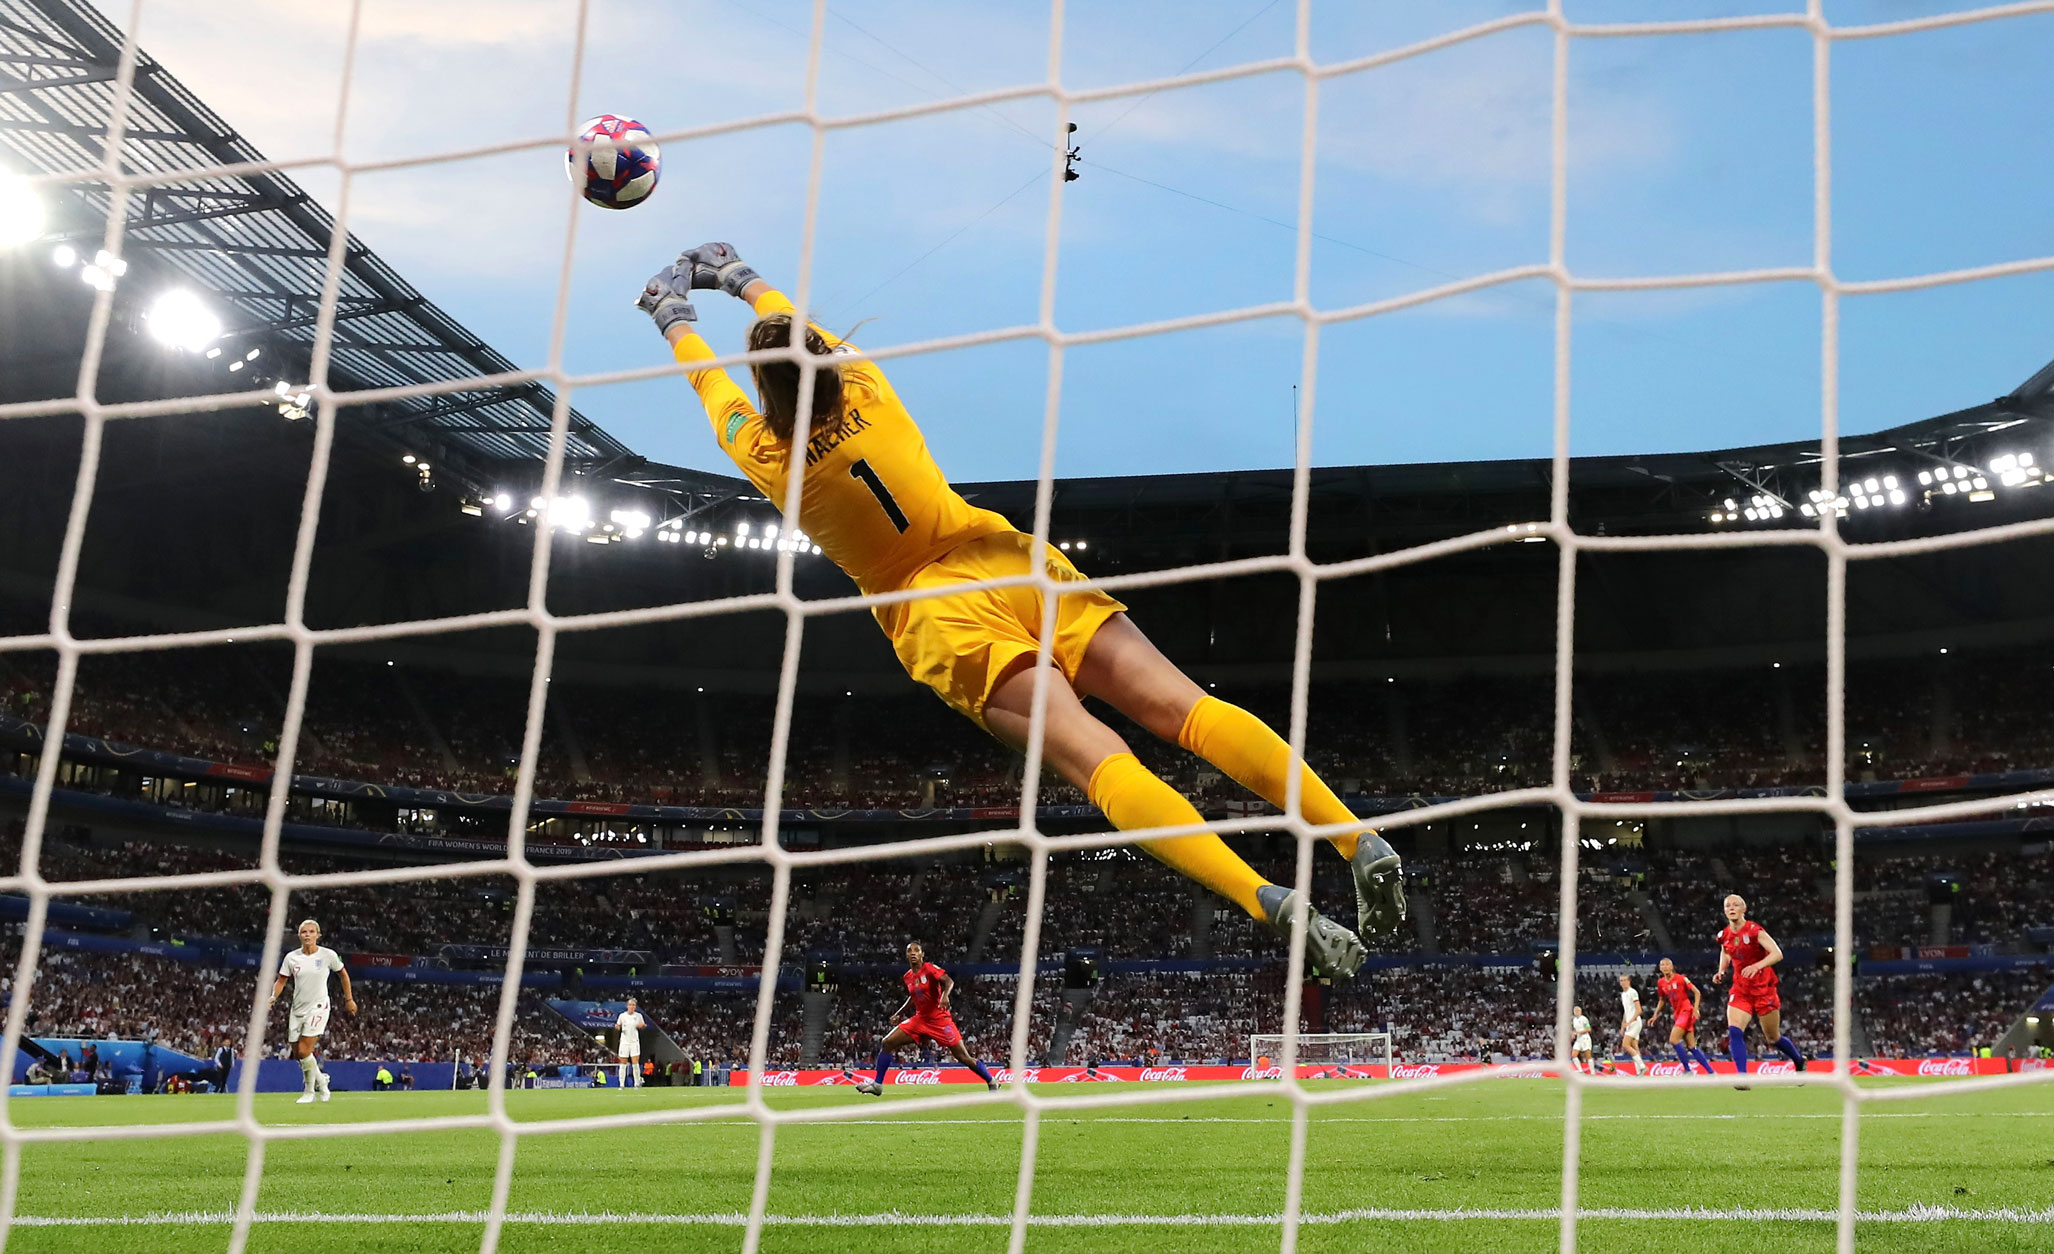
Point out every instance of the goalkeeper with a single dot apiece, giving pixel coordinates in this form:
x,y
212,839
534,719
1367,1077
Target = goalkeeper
x,y
874,500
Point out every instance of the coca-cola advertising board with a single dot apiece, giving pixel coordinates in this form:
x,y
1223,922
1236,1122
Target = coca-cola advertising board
x,y
1175,1074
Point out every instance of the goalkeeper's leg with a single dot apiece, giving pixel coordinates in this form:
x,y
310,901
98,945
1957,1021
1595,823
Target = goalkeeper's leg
x,y
1091,755
1125,669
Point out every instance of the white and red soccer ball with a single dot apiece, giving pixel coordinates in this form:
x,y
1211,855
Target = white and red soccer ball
x,y
613,164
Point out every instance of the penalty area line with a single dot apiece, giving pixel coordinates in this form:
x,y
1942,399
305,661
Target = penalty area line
x,y
899,1219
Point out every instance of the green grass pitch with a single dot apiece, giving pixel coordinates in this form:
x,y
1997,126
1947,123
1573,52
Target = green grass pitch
x,y
1966,1172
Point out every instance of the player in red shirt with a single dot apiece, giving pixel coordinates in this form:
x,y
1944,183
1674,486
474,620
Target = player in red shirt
x,y
1751,954
1685,1004
927,993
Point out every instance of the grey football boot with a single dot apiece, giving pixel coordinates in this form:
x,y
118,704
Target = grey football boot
x,y
1379,886
1328,946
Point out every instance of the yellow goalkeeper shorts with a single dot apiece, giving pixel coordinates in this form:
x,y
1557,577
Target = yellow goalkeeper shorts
x,y
960,645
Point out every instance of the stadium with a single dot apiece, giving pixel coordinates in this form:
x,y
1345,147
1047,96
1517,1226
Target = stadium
x,y
315,605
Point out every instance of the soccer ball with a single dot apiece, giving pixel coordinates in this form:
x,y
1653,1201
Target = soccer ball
x,y
619,170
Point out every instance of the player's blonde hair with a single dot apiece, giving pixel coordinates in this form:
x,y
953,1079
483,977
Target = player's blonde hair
x,y
305,922
777,382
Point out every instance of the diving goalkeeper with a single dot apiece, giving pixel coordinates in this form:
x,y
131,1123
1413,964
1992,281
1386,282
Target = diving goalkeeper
x,y
874,500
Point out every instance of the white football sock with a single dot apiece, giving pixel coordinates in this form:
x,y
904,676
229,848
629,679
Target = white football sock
x,y
309,1068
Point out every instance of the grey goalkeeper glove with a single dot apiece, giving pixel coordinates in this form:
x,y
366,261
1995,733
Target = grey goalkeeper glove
x,y
717,265
667,298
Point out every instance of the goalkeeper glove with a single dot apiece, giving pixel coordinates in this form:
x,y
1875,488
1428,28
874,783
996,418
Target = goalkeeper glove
x,y
667,298
716,265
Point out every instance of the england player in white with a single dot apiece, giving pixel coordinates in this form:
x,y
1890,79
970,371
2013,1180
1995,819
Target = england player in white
x,y
307,968
1579,1049
630,1022
1629,1021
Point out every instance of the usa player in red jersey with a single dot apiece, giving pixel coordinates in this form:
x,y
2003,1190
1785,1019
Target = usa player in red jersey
x,y
1751,954
1685,1005
927,993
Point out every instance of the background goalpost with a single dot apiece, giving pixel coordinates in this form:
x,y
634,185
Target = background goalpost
x,y
125,180
1340,1053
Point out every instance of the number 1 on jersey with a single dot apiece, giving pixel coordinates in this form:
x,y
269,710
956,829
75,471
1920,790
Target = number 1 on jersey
x,y
861,470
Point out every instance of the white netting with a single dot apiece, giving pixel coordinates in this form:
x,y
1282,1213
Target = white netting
x,y
124,181
1338,1052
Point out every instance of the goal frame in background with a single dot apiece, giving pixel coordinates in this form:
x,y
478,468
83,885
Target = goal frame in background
x,y
1824,535
1256,1048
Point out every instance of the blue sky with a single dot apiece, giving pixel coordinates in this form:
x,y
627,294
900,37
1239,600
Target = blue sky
x,y
1687,153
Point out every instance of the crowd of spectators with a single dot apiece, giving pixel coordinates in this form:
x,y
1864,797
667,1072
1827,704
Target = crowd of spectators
x,y
1115,903
1935,1013
193,1007
1438,1013
432,728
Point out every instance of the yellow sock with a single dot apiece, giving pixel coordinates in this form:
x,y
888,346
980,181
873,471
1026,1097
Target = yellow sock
x,y
1259,760
1132,797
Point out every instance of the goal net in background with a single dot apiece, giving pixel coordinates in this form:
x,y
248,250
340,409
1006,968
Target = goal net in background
x,y
1348,1055
128,180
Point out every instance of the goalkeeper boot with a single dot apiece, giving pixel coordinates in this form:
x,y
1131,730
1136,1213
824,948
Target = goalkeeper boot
x,y
1379,885
870,1088
1330,947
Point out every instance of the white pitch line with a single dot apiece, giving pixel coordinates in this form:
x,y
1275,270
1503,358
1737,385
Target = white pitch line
x,y
900,1219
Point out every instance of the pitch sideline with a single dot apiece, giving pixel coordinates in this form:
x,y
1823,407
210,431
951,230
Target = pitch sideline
x,y
893,1219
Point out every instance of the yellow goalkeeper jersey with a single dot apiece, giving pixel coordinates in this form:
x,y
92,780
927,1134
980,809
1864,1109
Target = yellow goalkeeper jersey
x,y
873,498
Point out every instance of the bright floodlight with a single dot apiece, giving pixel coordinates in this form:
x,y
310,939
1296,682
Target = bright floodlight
x,y
180,320
21,212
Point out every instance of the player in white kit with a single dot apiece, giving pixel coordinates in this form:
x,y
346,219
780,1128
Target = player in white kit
x,y
630,1022
1579,1049
1629,1021
307,968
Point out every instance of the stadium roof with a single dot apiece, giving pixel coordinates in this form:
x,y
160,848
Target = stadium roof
x,y
257,242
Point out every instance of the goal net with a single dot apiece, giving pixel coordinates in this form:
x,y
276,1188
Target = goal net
x,y
119,169
1335,1054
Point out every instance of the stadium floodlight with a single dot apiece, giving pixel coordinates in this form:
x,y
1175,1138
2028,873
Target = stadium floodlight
x,y
1949,488
21,212
253,354
1083,544
1889,482
1897,496
104,270
64,256
1925,477
1809,510
180,319
1961,472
